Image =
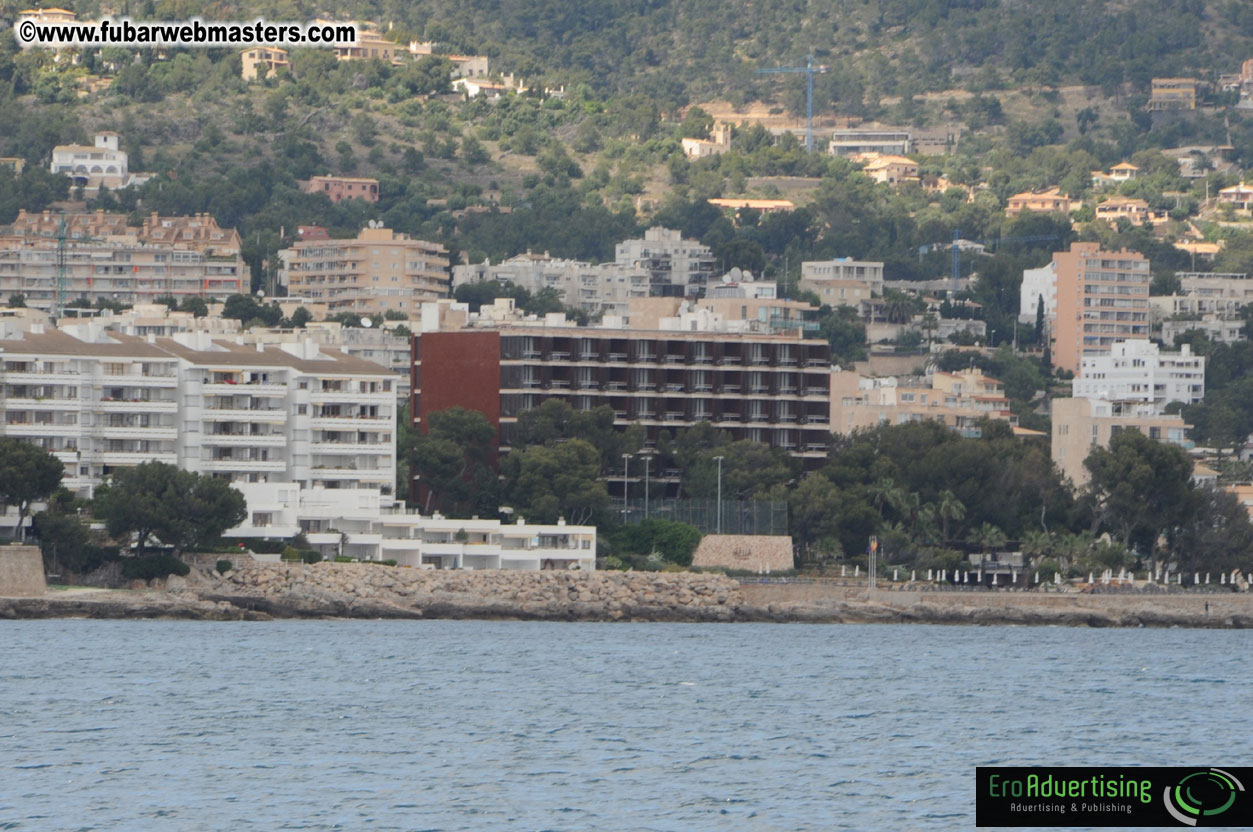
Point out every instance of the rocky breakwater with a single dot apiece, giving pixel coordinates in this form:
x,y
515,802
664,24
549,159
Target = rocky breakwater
x,y
359,590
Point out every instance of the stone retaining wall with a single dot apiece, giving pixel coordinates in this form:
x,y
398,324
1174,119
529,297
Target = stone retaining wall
x,y
21,571
750,552
348,588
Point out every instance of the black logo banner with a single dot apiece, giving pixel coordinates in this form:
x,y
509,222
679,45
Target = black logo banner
x,y
1213,796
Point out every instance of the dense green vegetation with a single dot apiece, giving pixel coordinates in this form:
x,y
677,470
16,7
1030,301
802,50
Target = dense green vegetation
x,y
929,495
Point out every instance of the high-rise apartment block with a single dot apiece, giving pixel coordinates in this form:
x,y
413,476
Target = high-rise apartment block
x,y
605,289
764,388
1102,297
1079,425
1137,371
377,272
104,259
293,413
676,267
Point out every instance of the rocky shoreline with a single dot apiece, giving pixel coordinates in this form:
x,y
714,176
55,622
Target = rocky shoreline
x,y
260,592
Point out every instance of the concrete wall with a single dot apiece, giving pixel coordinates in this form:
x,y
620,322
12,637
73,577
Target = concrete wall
x,y
21,571
753,552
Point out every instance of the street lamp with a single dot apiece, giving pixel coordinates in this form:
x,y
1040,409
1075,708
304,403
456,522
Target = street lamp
x,y
719,459
648,461
626,476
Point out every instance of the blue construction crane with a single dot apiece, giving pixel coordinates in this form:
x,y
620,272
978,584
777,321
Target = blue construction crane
x,y
809,69
955,248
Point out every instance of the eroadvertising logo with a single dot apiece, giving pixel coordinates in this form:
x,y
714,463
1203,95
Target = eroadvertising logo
x,y
1113,796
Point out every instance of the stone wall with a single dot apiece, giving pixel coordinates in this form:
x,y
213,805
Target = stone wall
x,y
357,589
21,571
751,552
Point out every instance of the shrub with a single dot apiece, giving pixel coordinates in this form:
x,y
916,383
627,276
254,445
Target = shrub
x,y
342,559
154,566
388,562
310,556
224,566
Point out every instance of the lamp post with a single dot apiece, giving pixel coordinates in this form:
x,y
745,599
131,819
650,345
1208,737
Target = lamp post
x,y
719,459
626,476
648,461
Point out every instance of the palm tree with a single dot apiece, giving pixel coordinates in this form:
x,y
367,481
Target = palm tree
x,y
949,508
987,537
885,494
897,307
1037,544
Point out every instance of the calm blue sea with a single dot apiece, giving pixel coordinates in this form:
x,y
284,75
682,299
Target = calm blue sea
x,y
444,725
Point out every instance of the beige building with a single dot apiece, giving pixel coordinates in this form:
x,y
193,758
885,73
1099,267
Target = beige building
x,y
1136,211
262,62
955,400
106,259
1239,197
1119,173
889,169
1048,201
843,281
368,46
378,271
1102,297
719,142
1079,425
339,188
1173,94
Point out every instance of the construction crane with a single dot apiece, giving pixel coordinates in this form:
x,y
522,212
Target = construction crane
x,y
62,278
955,249
809,69
58,307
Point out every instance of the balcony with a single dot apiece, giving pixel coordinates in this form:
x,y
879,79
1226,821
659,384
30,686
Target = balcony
x,y
156,432
151,406
323,538
241,414
41,378
244,440
243,465
27,403
352,447
134,381
817,391
130,457
40,429
350,423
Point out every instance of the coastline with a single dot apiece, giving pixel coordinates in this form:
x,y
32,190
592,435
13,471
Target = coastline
x,y
262,592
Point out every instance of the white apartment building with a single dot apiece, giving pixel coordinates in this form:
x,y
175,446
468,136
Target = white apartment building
x,y
676,267
101,163
1137,371
1037,283
1203,294
365,524
1216,328
295,413
843,281
604,289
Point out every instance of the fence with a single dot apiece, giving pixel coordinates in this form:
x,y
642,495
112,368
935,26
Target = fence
x,y
738,516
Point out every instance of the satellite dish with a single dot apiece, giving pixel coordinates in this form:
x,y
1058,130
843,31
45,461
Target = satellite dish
x,y
366,322
748,276
733,276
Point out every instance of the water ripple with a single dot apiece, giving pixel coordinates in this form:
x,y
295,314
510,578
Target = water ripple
x,y
447,725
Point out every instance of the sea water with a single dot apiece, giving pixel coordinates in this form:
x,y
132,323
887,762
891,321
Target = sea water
x,y
472,725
